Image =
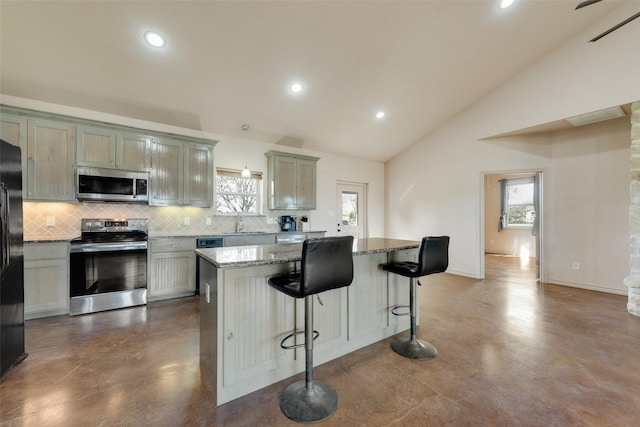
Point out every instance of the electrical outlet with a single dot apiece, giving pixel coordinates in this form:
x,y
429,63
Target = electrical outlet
x,y
187,220
576,265
270,221
208,220
51,221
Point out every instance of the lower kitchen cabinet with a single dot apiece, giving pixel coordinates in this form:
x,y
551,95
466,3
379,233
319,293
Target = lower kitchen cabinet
x,y
253,239
256,317
172,268
46,279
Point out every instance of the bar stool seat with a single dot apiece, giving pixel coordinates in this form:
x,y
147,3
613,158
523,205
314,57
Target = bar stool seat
x,y
432,258
327,263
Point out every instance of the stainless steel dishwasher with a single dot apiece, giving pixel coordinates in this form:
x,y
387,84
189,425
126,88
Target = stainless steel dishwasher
x,y
203,243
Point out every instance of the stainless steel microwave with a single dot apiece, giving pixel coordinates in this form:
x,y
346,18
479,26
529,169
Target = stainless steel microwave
x,y
109,185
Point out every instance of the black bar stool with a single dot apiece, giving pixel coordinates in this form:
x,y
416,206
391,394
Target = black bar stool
x,y
327,263
433,258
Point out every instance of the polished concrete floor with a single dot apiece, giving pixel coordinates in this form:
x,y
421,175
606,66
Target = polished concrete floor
x,y
512,352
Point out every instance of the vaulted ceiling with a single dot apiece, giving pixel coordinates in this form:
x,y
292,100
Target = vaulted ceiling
x,y
229,63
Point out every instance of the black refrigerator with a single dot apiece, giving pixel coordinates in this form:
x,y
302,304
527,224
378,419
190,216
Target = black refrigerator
x,y
12,276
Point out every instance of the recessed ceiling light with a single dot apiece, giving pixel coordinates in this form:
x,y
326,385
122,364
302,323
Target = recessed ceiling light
x,y
506,3
154,39
379,114
295,87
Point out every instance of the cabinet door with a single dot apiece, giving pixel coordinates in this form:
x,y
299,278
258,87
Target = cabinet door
x,y
254,239
305,184
171,274
133,152
13,129
96,147
50,161
167,173
368,298
256,318
46,280
329,319
284,183
198,171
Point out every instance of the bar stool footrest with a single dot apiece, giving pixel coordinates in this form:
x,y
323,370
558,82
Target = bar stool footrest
x,y
414,348
309,406
397,307
316,334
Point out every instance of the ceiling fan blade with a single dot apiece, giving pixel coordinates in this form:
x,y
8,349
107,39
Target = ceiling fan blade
x,y
586,3
612,29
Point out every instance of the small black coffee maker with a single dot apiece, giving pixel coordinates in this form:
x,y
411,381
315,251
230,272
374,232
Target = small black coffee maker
x,y
288,222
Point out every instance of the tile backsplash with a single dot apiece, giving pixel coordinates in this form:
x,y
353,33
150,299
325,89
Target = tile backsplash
x,y
62,220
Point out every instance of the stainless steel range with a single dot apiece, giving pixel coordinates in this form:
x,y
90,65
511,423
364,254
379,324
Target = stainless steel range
x,y
109,265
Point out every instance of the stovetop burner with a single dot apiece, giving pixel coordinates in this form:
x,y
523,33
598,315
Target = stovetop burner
x,y
107,237
99,230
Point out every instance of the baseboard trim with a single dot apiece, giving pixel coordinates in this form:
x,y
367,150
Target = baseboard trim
x,y
587,287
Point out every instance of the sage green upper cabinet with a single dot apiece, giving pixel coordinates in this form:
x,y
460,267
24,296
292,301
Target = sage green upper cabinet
x,y
96,147
198,175
166,184
292,181
180,167
50,160
133,151
108,148
13,129
181,173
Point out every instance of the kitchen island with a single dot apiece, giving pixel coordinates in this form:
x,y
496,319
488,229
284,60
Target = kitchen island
x,y
243,319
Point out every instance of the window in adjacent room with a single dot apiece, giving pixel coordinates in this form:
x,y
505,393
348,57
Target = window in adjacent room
x,y
518,205
235,194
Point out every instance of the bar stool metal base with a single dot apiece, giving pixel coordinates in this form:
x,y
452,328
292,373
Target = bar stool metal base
x,y
309,406
414,348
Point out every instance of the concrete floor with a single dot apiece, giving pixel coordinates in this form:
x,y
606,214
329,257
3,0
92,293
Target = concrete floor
x,y
511,352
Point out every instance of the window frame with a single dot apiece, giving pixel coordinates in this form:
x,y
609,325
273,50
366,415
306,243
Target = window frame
x,y
237,173
519,181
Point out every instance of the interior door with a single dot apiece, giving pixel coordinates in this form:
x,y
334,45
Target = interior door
x,y
351,207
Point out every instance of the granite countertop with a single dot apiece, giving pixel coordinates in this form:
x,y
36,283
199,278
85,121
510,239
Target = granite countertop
x,y
249,256
232,234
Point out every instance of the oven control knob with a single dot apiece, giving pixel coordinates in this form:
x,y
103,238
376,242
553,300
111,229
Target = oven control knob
x,y
89,224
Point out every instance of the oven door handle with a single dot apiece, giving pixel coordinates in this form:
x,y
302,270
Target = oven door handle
x,y
107,247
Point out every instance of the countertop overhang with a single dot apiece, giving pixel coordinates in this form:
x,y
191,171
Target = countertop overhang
x,y
255,255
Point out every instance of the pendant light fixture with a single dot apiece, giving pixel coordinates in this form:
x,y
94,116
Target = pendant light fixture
x,y
246,173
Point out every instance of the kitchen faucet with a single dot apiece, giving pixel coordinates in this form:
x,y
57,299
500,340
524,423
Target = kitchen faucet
x,y
240,223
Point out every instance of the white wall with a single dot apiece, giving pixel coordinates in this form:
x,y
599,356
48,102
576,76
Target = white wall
x,y
587,215
435,186
234,153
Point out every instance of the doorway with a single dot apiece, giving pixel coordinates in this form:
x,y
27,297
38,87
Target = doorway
x,y
513,223
351,204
